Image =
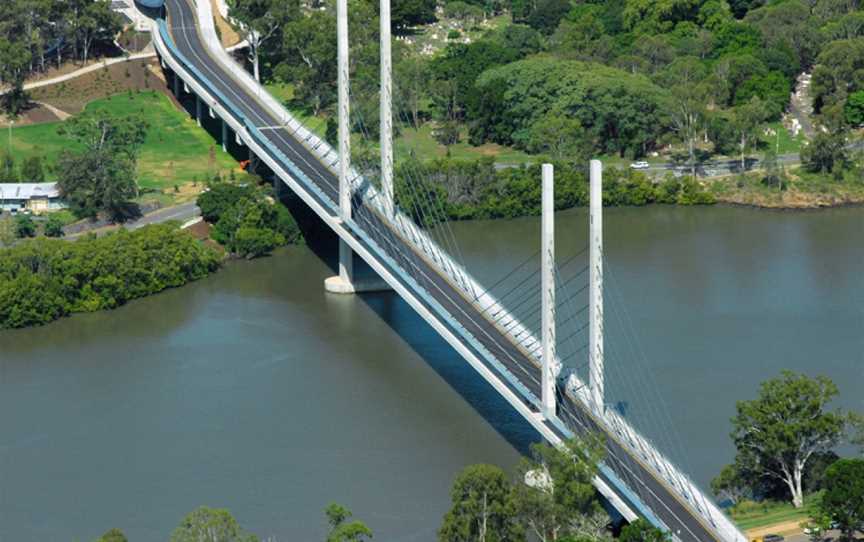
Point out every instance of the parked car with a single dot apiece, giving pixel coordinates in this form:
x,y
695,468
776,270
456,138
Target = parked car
x,y
772,538
640,165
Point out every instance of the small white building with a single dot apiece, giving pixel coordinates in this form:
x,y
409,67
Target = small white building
x,y
36,198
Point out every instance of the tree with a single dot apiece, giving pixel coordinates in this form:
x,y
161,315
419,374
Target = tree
x,y
221,196
92,21
411,79
825,153
310,59
556,497
747,119
14,61
854,109
261,21
7,230
8,174
777,433
31,170
839,72
340,531
843,500
408,13
560,136
113,535
98,181
24,226
688,113
103,176
642,531
482,508
99,131
54,227
857,423
731,484
547,14
210,525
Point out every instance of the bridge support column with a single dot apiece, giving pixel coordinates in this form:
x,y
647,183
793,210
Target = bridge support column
x,y
344,282
386,109
224,136
547,287
198,109
176,86
595,299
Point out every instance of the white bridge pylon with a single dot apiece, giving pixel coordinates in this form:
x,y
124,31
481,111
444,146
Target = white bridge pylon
x,y
551,367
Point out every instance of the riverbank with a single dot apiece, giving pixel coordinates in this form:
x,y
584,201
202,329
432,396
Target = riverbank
x,y
42,280
800,190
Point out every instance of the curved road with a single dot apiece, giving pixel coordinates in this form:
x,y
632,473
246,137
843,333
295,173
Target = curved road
x,y
653,492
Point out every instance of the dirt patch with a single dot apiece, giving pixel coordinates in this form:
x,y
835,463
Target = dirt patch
x,y
227,34
200,230
783,528
185,192
35,113
71,96
134,41
793,199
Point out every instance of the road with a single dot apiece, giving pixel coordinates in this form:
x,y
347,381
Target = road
x,y
413,271
181,213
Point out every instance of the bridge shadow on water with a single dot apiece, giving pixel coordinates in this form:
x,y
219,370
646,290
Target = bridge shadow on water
x,y
420,336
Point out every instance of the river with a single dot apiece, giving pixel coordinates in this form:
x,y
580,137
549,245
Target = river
x,y
256,391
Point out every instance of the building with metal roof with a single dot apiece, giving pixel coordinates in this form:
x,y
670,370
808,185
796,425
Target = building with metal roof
x,y
33,197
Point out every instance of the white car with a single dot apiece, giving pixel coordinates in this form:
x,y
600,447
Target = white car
x,y
640,165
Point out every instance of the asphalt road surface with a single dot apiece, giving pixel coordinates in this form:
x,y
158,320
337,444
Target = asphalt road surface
x,y
416,274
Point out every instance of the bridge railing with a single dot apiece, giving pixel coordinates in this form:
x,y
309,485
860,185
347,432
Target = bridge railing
x,y
285,166
487,303
420,238
643,448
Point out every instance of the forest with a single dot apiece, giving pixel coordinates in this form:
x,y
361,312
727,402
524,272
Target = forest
x,y
571,79
36,35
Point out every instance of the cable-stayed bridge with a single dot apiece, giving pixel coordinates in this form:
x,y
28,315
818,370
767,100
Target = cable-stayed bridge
x,y
523,334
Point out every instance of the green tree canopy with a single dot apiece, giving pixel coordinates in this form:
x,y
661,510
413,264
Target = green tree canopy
x,y
839,72
777,433
211,525
482,508
342,530
113,535
623,113
642,531
854,109
843,500
262,21
557,497
31,170
103,176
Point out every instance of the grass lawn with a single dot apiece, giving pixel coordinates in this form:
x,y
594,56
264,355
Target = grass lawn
x,y
175,150
787,143
751,515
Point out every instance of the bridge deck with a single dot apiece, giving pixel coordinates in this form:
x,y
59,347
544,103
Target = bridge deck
x,y
662,501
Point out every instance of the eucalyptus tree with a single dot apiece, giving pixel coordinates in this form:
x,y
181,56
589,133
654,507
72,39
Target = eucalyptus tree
x,y
777,433
262,21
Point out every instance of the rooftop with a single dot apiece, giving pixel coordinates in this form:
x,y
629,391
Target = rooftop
x,y
27,191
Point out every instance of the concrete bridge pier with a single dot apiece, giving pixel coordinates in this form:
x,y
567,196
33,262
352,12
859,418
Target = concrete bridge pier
x,y
224,136
345,282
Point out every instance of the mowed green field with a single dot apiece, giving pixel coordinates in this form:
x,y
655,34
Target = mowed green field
x,y
175,150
